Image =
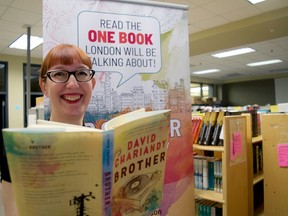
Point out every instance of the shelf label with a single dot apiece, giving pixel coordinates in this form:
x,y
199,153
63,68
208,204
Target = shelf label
x,y
236,145
282,150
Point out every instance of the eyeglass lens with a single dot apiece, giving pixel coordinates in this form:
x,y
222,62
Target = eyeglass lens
x,y
82,75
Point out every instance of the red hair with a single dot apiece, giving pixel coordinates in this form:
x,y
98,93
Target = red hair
x,y
64,54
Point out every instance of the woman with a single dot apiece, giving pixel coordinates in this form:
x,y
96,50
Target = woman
x,y
67,79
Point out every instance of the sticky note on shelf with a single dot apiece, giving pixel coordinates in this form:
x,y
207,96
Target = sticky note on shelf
x,y
282,151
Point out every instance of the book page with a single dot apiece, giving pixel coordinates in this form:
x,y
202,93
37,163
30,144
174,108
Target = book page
x,y
68,127
55,173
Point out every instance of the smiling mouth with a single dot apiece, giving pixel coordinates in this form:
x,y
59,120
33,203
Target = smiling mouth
x,y
71,97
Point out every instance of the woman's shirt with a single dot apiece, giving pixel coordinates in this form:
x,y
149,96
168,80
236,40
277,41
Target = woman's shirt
x,y
5,175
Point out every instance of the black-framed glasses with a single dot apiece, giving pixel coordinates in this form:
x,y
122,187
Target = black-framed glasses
x,y
62,76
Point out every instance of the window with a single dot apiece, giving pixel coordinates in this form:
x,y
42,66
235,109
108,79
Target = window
x,y
201,90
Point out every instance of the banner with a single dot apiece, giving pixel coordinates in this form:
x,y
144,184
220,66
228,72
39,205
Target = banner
x,y
140,52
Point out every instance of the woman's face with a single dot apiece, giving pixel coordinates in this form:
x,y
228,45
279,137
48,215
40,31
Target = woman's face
x,y
68,100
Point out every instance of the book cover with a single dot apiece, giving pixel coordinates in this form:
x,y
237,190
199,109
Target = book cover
x,y
211,179
204,128
218,127
197,122
139,165
71,170
210,128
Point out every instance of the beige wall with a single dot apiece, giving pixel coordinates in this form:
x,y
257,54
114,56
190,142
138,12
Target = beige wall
x,y
15,88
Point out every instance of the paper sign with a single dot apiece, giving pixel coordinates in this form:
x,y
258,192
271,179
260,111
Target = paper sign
x,y
274,108
282,150
120,43
236,145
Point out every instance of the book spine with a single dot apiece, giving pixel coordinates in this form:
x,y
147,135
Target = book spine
x,y
254,122
107,175
260,158
194,122
196,172
195,125
200,176
220,177
198,131
210,129
216,134
205,173
254,159
215,176
221,136
202,133
211,174
204,127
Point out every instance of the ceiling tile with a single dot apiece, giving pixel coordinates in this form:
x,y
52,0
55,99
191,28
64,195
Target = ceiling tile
x,y
23,17
238,14
225,7
6,2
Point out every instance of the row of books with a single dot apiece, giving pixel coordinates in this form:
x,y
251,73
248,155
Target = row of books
x,y
206,128
257,158
207,208
208,173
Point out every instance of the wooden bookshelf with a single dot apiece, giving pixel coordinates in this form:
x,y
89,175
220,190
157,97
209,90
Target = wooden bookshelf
x,y
274,131
237,195
210,195
258,176
257,139
208,148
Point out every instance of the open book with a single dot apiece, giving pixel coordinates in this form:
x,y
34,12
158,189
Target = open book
x,y
61,169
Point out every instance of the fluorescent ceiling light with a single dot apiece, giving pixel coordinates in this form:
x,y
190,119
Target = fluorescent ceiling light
x,y
206,71
256,1
264,62
21,42
233,52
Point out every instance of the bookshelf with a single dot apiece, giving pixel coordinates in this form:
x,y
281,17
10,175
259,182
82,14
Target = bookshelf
x,y
258,159
274,132
236,155
257,139
258,176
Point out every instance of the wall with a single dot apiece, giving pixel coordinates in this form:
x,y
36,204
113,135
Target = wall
x,y
259,92
281,89
15,88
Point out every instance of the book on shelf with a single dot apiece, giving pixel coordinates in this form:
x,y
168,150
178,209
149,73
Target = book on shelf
x,y
257,158
218,127
198,171
207,207
205,173
211,174
196,127
207,130
210,128
218,186
62,169
204,126
208,173
254,122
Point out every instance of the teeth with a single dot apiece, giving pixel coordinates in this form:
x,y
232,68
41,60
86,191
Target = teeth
x,y
71,97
